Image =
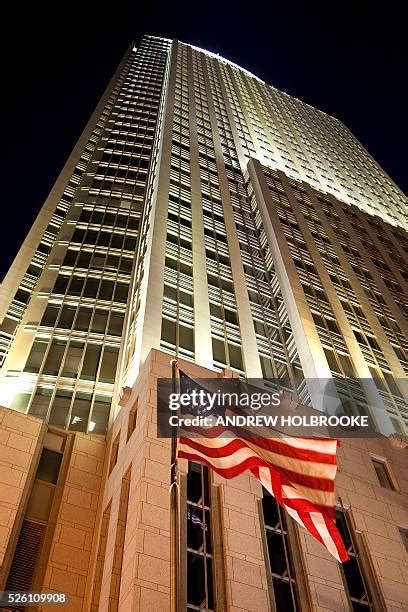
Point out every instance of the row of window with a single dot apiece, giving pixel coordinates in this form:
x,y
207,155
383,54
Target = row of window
x,y
280,544
71,360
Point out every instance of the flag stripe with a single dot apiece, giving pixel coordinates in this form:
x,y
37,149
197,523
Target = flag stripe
x,y
233,450
298,472
281,446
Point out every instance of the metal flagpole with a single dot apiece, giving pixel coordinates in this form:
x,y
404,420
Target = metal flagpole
x,y
174,510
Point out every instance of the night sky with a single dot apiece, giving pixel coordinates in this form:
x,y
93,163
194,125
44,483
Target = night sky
x,y
350,61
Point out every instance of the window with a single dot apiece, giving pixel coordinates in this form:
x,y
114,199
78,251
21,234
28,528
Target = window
x,y
404,537
98,423
106,290
40,402
49,466
80,412
50,316
355,581
132,420
42,493
83,319
36,355
186,340
121,293
115,324
76,285
54,358
218,347
73,359
99,321
70,258
280,555
114,453
91,362
60,408
20,401
169,331
383,474
235,356
91,287
67,317
200,590
108,366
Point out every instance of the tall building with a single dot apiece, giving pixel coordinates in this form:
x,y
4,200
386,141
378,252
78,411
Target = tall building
x,y
207,215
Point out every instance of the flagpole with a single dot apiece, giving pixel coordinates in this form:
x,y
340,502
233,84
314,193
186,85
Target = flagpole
x,y
174,511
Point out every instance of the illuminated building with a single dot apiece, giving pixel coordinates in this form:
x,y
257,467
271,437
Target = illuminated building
x,y
202,213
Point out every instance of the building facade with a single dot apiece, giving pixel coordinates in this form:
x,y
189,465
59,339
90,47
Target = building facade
x,y
207,215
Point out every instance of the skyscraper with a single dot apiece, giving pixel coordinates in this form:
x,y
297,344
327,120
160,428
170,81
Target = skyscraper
x,y
207,215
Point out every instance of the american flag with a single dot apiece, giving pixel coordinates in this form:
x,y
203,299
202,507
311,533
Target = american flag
x,y
298,472
195,519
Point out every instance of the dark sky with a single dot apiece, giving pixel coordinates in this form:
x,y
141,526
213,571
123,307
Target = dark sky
x,y
346,58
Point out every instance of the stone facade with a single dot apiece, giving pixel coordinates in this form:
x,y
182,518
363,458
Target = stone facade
x,y
111,540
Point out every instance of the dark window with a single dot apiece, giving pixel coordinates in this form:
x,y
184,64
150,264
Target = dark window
x,y
80,412
99,321
382,474
132,420
49,466
36,355
235,356
67,317
85,215
60,408
115,324
117,241
218,347
91,287
357,588
129,244
106,290
108,366
168,331
200,590
83,319
50,316
70,258
84,260
76,285
22,296
104,239
100,414
121,293
54,358
280,555
91,361
126,264
61,284
114,453
73,359
78,235
404,537
186,338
